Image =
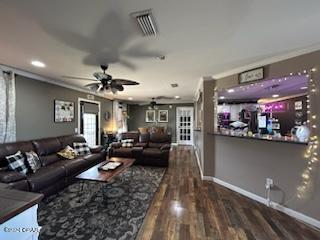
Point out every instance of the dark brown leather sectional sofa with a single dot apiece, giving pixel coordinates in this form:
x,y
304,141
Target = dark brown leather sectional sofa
x,y
55,173
148,149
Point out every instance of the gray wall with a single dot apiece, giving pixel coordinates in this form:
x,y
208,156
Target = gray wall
x,y
35,109
246,163
137,118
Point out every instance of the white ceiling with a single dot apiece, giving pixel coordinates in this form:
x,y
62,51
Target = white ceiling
x,y
198,38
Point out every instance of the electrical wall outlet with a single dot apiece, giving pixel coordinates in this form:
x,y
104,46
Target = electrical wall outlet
x,y
269,182
76,130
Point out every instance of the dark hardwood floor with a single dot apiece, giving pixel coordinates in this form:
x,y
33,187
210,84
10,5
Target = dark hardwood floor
x,y
187,208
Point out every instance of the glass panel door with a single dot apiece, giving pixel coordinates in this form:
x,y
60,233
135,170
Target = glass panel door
x,y
185,125
90,128
89,113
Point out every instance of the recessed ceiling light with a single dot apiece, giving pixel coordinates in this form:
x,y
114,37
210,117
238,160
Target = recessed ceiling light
x,y
222,97
130,98
275,95
230,90
302,88
177,97
174,85
37,63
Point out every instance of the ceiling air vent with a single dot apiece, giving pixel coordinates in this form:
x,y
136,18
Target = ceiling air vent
x,y
146,22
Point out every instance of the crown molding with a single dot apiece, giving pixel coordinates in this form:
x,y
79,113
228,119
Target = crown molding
x,y
50,80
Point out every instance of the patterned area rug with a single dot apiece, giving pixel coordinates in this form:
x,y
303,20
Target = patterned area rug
x,y
94,210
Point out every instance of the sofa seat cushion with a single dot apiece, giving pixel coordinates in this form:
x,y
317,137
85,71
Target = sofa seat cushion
x,y
74,166
152,153
46,176
155,145
93,159
123,152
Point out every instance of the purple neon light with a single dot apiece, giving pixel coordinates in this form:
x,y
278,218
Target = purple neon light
x,y
275,107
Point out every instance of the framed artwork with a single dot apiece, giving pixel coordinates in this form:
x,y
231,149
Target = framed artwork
x,y
163,116
298,105
150,116
63,111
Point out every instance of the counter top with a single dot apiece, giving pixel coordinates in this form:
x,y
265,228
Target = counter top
x,y
13,202
263,138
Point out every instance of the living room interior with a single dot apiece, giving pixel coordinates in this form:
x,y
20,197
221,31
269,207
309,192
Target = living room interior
x,y
159,120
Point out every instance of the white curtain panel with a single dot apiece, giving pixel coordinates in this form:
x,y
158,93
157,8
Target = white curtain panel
x,y
121,122
7,108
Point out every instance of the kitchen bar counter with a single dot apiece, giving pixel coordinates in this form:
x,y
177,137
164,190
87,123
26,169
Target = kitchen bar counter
x,y
263,138
14,202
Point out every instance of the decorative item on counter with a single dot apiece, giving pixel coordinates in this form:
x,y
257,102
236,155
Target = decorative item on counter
x,y
269,126
302,133
250,134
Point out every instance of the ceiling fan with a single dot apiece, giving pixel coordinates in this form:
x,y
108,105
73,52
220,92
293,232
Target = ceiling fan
x,y
106,82
154,105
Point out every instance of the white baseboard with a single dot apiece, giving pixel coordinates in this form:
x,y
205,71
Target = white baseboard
x,y
299,216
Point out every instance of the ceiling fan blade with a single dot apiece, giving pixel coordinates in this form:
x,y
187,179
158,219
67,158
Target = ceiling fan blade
x,y
92,85
164,97
117,86
100,87
79,78
100,75
119,81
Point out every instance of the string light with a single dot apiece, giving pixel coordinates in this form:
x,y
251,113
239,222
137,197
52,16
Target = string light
x,y
310,154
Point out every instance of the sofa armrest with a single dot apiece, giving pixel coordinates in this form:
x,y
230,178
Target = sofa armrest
x,y
96,149
165,147
11,176
116,145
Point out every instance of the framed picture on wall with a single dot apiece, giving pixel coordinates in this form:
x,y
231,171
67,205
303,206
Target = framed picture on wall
x,y
163,116
150,116
63,111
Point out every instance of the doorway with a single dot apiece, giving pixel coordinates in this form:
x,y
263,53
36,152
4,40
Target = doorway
x,y
185,125
89,121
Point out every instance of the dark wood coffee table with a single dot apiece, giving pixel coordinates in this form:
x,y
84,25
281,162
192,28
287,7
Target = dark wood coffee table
x,y
94,174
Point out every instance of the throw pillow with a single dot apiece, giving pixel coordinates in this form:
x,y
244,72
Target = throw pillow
x,y
81,148
16,163
68,153
33,161
127,143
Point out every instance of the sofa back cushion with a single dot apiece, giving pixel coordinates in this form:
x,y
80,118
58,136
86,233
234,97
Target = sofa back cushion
x,y
47,150
70,139
160,138
130,135
7,149
144,137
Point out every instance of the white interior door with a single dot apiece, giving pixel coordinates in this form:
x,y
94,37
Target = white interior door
x,y
185,125
89,120
90,128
